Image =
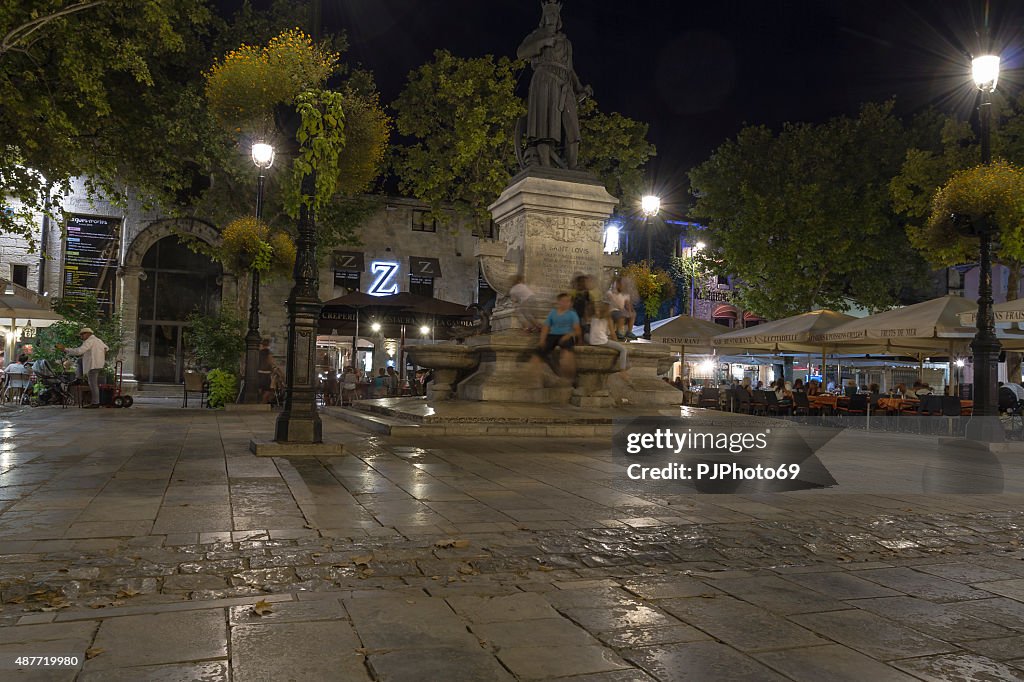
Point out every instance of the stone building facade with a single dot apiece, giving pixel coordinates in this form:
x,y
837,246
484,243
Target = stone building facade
x,y
134,257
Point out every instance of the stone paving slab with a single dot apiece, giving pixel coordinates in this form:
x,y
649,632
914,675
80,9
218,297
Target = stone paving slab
x,y
556,564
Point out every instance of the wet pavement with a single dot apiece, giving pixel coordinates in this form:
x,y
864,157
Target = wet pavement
x,y
146,536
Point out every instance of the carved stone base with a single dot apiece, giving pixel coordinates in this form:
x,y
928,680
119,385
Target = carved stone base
x,y
551,226
507,372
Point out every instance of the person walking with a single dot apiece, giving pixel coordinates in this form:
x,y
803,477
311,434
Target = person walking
x,y
94,358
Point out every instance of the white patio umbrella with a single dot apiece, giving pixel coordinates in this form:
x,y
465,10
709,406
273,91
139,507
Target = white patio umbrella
x,y
20,308
790,334
910,330
1007,313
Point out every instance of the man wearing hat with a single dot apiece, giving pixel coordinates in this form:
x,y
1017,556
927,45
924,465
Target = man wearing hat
x,y
94,357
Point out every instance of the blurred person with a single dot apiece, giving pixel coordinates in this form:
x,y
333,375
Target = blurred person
x,y
522,296
600,329
561,329
623,313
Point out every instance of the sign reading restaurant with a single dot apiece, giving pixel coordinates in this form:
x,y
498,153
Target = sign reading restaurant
x,y
90,259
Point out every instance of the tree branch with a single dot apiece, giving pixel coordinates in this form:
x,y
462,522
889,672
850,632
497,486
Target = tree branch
x,y
21,33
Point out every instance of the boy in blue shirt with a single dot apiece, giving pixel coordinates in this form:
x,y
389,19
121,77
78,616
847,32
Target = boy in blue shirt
x,y
561,329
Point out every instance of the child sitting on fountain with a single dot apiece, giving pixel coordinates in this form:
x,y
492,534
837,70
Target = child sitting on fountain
x,y
561,330
601,328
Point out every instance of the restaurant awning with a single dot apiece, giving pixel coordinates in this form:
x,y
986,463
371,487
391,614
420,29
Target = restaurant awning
x,y
21,307
788,334
693,334
1006,313
913,329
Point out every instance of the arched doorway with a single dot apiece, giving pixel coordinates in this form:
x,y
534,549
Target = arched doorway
x,y
175,281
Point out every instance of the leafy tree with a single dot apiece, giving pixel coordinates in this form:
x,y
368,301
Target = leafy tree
x,y
77,313
615,149
939,154
803,217
216,341
94,88
459,117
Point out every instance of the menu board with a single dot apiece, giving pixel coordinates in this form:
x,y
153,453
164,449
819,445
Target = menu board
x,y
90,259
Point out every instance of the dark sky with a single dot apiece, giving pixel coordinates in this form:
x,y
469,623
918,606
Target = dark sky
x,y
697,71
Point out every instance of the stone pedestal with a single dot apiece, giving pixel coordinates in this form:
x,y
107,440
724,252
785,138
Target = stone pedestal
x,y
594,364
645,388
551,225
507,372
448,361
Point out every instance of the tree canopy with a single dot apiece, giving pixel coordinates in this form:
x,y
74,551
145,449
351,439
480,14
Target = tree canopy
x,y
113,91
802,217
95,89
943,166
458,119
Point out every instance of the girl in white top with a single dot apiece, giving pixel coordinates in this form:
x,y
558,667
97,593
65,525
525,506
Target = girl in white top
x,y
600,329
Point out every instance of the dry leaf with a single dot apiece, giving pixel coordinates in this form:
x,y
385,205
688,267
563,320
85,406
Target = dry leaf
x,y
544,568
451,542
93,652
262,607
127,592
467,569
362,560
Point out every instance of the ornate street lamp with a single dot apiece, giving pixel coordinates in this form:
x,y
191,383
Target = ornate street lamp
x,y
263,157
985,346
649,205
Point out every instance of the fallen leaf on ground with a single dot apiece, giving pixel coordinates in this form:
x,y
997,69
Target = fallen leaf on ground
x,y
467,569
128,592
262,607
544,568
451,542
93,652
362,559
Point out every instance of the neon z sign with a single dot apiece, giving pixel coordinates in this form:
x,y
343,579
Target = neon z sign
x,y
386,283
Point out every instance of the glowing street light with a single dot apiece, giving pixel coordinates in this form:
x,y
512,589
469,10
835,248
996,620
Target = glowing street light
x,y
985,346
985,72
375,327
263,157
650,205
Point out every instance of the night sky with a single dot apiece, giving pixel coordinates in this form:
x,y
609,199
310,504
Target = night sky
x,y
697,71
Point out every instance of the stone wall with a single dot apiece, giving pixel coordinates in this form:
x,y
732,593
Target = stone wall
x,y
387,235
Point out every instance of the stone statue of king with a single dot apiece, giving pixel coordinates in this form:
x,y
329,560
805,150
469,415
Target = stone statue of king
x,y
552,121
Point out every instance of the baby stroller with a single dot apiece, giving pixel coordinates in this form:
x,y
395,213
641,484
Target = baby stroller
x,y
54,386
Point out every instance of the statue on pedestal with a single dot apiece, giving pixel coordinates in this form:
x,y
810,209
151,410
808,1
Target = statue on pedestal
x,y
552,120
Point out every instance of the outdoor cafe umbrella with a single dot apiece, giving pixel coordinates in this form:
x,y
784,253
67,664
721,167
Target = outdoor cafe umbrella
x,y
910,330
23,306
689,333
790,334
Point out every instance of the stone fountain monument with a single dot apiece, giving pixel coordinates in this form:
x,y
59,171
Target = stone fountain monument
x,y
551,220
